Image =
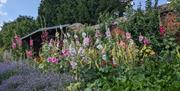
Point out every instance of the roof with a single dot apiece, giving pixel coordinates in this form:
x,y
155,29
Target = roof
x,y
164,8
43,29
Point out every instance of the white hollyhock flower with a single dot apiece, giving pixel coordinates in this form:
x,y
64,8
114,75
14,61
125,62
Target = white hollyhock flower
x,y
73,64
99,47
104,57
68,35
75,36
83,34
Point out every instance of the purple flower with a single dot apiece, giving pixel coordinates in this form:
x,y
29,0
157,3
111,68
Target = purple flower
x,y
128,35
141,38
66,53
53,60
86,41
108,33
146,41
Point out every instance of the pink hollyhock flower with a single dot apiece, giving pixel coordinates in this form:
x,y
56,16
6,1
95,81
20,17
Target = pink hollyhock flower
x,y
146,41
13,45
31,42
18,40
122,44
53,60
161,30
128,35
86,41
108,33
141,38
44,36
29,53
65,53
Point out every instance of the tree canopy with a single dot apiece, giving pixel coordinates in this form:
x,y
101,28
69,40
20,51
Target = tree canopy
x,y
56,12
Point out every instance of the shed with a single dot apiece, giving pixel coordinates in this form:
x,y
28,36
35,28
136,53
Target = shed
x,y
36,36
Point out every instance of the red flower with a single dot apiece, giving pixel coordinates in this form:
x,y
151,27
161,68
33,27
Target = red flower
x,y
161,30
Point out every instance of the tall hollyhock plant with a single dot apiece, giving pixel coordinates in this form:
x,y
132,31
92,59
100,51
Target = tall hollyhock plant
x,y
44,36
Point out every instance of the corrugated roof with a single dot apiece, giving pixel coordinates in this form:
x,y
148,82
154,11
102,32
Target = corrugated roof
x,y
43,29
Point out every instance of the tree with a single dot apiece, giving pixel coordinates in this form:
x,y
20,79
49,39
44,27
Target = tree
x,y
22,26
175,4
57,12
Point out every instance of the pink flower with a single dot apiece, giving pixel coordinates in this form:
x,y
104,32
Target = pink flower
x,y
53,60
146,41
29,53
31,42
13,45
122,44
161,30
128,35
44,36
141,38
18,40
65,53
86,41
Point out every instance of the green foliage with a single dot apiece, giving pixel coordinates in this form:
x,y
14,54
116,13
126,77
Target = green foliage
x,y
70,11
175,4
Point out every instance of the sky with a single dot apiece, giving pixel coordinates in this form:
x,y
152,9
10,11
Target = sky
x,y
11,9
